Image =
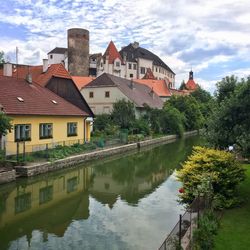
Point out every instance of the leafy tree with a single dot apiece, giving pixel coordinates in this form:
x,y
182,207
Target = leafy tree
x,y
229,123
183,86
123,113
1,57
101,121
226,87
189,107
5,125
218,167
141,126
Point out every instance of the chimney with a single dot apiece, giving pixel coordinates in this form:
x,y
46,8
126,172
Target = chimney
x,y
45,65
135,45
152,93
132,85
29,78
7,69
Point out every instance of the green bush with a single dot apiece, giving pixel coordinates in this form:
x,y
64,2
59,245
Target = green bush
x,y
217,167
203,236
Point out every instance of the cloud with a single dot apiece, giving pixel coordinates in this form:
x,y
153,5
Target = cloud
x,y
194,33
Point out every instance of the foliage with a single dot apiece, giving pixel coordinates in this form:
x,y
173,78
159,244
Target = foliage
x,y
123,113
183,86
189,107
2,57
140,126
226,87
222,170
135,138
101,121
5,124
203,236
229,123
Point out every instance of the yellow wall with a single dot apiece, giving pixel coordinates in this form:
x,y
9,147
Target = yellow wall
x,y
59,131
88,130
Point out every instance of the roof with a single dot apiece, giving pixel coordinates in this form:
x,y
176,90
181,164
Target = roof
x,y
139,94
82,81
36,99
132,53
112,53
159,86
56,70
58,50
191,85
179,92
149,74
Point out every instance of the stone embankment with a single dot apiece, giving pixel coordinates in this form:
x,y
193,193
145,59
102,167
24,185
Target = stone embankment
x,y
75,160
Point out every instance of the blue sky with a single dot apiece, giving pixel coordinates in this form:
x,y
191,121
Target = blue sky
x,y
212,37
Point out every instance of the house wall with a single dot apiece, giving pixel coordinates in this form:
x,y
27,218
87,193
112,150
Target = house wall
x,y
56,58
144,63
100,104
59,131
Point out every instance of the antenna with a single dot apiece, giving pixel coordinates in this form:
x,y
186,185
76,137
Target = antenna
x,y
16,62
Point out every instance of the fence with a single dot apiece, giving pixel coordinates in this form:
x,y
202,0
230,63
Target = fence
x,y
181,235
23,151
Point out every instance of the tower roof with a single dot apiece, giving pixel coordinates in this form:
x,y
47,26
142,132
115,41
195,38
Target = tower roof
x,y
112,53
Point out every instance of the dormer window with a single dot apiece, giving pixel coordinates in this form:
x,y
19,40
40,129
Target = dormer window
x,y
117,64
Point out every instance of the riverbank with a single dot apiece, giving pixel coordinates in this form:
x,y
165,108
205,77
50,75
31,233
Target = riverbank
x,y
235,223
40,168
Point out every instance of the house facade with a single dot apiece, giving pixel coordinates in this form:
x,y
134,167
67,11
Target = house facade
x,y
105,90
40,117
132,62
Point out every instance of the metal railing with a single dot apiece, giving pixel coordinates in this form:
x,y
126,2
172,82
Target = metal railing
x,y
181,235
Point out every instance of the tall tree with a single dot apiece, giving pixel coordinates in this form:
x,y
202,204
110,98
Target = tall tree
x,y
183,86
1,57
5,126
123,113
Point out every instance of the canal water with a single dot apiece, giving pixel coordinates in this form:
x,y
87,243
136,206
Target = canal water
x,y
128,202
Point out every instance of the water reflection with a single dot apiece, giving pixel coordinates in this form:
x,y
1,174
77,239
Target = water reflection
x,y
44,212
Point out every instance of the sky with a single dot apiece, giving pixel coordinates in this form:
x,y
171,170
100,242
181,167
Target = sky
x,y
211,37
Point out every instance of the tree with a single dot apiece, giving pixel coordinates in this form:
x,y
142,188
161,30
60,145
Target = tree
x,y
226,87
2,58
123,113
5,125
189,107
229,123
215,168
183,86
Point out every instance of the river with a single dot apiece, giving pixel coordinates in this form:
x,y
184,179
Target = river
x,y
127,203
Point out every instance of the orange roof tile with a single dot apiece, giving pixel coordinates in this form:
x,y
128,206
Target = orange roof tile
x,y
191,85
159,86
149,75
112,53
82,81
57,70
179,92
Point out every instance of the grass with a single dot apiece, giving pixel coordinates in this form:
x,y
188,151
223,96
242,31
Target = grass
x,y
234,232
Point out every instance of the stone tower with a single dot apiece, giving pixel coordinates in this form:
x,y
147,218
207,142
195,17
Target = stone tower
x,y
78,52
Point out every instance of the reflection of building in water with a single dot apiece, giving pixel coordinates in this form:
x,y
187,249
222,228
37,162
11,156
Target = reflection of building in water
x,y
48,205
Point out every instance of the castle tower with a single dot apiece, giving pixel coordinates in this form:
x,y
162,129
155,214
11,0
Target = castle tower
x,y
78,52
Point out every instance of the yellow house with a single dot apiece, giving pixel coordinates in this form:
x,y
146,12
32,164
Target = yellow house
x,y
40,118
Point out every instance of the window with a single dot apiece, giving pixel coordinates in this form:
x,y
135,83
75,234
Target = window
x,y
91,94
134,66
131,75
130,65
156,69
117,64
107,94
45,194
71,184
46,130
72,128
143,71
51,56
22,132
22,203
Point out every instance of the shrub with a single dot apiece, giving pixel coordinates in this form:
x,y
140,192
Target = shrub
x,y
203,237
219,168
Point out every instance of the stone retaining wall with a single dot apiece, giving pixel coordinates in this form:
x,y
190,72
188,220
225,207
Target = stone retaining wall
x,y
7,176
78,159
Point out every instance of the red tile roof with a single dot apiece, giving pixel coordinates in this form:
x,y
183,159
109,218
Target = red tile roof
x,y
36,99
82,81
191,85
179,92
149,75
112,53
57,70
159,86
